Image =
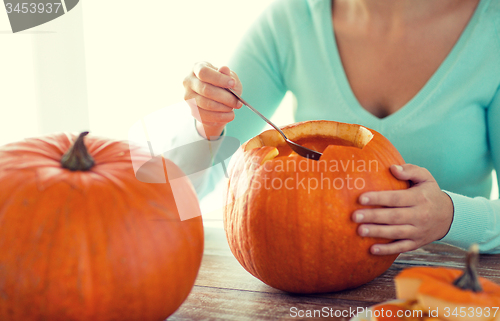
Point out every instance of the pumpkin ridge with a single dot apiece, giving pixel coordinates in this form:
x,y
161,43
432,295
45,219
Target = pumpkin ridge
x,y
85,262
248,253
238,251
52,250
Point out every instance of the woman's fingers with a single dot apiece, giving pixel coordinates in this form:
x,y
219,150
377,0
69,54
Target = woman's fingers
x,y
207,73
211,118
225,70
398,198
412,217
392,232
214,93
395,247
208,82
211,105
383,215
417,175
413,173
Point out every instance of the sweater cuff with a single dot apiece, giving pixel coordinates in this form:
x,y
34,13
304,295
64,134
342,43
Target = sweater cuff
x,y
470,221
191,151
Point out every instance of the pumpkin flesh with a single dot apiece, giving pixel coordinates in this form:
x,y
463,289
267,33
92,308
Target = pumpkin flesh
x,y
438,293
433,288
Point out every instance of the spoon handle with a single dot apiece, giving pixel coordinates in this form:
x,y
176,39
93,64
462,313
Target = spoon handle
x,y
257,112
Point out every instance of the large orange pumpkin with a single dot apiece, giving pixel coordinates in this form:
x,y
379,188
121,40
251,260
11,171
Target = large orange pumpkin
x,y
82,239
288,219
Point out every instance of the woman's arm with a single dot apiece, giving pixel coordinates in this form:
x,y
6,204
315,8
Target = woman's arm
x,y
256,69
259,62
477,220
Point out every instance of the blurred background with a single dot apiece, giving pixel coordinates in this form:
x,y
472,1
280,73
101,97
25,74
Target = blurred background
x,y
106,64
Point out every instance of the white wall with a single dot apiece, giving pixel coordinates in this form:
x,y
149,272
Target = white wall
x,y
118,61
18,112
138,55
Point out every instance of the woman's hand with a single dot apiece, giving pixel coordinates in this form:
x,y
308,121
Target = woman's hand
x,y
413,217
212,106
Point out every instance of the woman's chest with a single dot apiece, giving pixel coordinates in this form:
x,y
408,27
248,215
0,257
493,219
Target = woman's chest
x,y
385,77
386,69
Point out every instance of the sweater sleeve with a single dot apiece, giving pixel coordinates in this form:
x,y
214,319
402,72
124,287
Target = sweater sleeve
x,y
259,61
477,220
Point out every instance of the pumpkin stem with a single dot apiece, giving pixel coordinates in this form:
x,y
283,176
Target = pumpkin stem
x,y
77,158
469,280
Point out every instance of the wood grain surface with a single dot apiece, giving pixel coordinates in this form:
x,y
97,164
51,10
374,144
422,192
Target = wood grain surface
x,y
226,291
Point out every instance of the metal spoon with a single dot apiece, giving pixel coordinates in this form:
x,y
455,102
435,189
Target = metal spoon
x,y
299,149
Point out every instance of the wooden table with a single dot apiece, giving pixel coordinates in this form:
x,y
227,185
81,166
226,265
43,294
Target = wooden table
x,y
226,291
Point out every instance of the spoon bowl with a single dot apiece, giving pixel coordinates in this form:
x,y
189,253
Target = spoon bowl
x,y
299,149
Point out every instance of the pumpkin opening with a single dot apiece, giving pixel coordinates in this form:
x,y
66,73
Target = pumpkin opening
x,y
317,135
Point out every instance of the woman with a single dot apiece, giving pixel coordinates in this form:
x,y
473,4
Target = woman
x,y
425,74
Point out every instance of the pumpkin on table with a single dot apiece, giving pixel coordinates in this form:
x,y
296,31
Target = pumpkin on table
x,y
81,238
288,219
438,293
455,294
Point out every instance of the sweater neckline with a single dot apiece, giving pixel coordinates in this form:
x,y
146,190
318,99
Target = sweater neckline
x,y
433,83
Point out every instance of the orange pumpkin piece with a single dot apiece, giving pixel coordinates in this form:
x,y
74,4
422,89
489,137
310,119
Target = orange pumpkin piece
x,y
288,218
81,238
455,294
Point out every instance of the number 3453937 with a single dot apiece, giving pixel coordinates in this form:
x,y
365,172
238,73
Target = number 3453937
x,y
33,7
471,312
